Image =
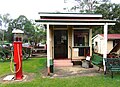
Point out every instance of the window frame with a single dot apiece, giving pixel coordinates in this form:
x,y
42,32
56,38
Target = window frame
x,y
73,31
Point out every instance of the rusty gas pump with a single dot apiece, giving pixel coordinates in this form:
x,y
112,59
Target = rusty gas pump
x,y
17,53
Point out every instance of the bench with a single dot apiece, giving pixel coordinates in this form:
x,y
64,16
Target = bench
x,y
112,65
97,60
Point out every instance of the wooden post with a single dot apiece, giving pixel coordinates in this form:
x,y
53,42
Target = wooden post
x,y
90,41
48,49
105,44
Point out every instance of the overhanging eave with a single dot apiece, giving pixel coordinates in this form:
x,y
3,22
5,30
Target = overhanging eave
x,y
62,23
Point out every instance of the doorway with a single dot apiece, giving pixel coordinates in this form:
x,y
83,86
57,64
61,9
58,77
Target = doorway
x,y
60,44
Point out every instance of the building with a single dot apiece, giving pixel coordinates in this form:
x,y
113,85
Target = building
x,y
113,41
69,35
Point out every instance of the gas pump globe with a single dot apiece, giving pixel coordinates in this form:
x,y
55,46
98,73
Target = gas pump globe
x,y
17,45
18,35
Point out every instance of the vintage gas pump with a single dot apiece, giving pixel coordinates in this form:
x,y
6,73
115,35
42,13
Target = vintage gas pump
x,y
17,53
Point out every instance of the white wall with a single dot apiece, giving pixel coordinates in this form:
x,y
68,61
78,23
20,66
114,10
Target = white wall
x,y
101,45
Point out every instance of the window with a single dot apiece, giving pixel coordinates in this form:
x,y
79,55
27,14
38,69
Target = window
x,y
81,37
96,43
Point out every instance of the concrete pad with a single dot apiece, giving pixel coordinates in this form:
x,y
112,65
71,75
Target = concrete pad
x,y
8,78
12,78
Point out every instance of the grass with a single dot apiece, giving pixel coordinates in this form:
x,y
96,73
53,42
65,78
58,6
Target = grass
x,y
35,65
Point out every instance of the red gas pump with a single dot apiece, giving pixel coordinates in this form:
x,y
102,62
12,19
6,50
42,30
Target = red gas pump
x,y
17,45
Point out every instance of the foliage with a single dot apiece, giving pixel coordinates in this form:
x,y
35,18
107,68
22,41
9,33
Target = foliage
x,y
110,11
5,19
21,23
32,32
85,6
40,34
107,9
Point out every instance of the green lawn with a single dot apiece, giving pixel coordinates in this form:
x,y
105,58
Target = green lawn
x,y
35,65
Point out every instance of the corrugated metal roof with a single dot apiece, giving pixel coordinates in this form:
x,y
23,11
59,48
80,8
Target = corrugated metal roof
x,y
112,36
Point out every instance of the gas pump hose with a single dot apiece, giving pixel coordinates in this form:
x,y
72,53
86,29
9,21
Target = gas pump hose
x,y
14,64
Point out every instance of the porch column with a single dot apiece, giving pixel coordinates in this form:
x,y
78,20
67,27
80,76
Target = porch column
x,y
90,41
48,49
105,44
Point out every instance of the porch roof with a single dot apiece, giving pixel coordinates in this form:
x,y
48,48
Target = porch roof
x,y
73,19
48,15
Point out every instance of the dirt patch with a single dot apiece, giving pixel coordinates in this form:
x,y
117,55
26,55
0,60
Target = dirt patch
x,y
26,77
73,71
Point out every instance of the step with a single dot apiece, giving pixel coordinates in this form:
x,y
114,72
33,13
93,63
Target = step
x,y
61,61
63,64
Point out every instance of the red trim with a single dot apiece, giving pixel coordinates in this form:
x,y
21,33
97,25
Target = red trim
x,y
112,36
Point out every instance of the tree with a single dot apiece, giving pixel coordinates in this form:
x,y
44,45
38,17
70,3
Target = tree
x,y
40,34
110,11
5,19
24,24
86,6
32,32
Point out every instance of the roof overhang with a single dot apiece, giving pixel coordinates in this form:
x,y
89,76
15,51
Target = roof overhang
x,y
75,22
98,35
73,15
111,36
73,19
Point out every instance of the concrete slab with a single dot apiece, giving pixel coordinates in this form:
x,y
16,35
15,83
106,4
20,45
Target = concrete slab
x,y
8,78
12,78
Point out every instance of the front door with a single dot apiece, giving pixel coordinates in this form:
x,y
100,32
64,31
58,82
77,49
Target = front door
x,y
60,44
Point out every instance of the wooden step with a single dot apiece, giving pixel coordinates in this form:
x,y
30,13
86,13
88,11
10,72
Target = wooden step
x,y
61,63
